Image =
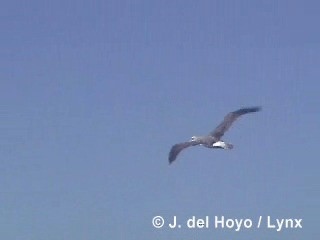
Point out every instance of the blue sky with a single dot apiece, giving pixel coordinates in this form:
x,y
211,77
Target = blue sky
x,y
95,93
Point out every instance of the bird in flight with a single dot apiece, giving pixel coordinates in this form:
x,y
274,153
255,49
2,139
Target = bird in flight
x,y
213,140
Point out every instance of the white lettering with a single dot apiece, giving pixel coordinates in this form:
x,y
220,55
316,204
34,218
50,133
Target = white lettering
x,y
217,221
284,223
235,224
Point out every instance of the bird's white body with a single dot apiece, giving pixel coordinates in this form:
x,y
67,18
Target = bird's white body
x,y
219,144
222,144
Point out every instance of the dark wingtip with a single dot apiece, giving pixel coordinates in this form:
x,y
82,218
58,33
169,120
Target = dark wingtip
x,y
248,110
173,154
171,159
256,109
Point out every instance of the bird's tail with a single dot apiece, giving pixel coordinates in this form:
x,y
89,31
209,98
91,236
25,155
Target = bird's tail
x,y
229,146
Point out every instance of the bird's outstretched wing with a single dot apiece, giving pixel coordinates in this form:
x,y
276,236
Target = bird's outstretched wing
x,y
229,119
177,148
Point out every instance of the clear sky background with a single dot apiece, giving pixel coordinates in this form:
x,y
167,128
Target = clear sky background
x,y
94,94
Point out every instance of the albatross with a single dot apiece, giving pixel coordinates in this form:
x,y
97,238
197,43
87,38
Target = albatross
x,y
213,139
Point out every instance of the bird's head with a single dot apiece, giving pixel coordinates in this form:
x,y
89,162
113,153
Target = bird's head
x,y
194,139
